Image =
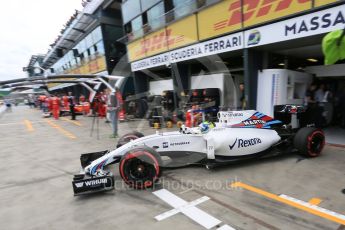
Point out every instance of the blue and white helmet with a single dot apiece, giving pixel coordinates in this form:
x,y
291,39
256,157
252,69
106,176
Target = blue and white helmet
x,y
204,127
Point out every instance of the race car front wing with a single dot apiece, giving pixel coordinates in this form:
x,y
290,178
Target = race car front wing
x,y
83,185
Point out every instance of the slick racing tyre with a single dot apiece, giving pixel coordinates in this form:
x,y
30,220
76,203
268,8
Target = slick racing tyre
x,y
309,141
128,137
140,167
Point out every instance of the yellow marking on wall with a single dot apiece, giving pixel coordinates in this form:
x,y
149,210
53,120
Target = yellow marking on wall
x,y
29,126
154,43
135,50
61,130
291,203
265,11
216,20
182,32
323,2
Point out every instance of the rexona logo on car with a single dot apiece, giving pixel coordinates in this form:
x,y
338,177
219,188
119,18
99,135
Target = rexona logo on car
x,y
255,10
241,143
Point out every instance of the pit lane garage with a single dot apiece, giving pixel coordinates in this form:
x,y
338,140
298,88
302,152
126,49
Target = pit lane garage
x,y
296,65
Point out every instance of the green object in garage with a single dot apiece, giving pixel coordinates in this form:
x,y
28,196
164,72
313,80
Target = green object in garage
x,y
333,46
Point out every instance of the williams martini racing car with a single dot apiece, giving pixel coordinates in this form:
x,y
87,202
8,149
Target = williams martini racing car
x,y
238,135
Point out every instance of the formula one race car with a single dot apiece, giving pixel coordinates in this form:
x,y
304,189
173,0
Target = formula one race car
x,y
238,135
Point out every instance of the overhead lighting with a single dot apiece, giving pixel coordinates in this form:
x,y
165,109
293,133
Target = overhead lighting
x,y
312,60
281,64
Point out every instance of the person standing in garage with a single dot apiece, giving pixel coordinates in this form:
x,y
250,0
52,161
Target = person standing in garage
x,y
112,110
320,93
71,102
243,101
314,112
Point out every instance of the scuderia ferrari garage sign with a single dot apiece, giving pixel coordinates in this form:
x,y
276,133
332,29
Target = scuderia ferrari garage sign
x,y
307,25
219,45
303,26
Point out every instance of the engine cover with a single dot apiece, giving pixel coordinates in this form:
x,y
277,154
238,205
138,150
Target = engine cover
x,y
242,141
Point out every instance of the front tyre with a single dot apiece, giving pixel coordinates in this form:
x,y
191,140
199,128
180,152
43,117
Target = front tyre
x,y
140,167
309,141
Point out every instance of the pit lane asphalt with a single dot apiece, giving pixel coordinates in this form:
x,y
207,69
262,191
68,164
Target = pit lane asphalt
x,y
37,166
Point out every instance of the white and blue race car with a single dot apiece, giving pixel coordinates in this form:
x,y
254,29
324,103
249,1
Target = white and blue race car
x,y
238,135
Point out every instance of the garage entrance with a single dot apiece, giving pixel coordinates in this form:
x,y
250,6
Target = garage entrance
x,y
305,55
333,79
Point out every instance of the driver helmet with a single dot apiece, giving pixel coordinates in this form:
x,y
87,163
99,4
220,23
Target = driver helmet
x,y
204,127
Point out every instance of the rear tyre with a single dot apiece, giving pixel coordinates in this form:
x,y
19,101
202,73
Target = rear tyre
x,y
128,137
140,167
309,141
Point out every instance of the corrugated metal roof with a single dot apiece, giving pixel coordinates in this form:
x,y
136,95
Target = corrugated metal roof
x,y
73,32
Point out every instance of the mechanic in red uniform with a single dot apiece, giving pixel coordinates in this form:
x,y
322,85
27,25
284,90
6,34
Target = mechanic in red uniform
x,y
192,117
188,122
56,107
82,103
65,103
105,100
81,99
122,112
101,105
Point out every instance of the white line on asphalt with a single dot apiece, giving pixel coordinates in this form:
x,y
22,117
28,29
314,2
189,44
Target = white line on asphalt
x,y
225,227
314,207
188,209
175,211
